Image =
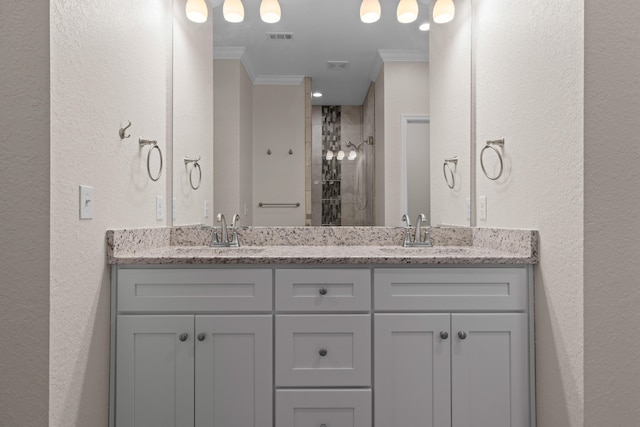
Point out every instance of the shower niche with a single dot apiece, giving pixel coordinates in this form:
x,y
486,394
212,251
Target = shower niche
x,y
342,165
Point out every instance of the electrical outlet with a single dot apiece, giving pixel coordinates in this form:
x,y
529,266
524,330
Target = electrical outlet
x,y
468,207
483,207
246,209
173,208
159,208
206,209
86,202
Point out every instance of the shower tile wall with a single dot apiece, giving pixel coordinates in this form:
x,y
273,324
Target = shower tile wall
x,y
334,182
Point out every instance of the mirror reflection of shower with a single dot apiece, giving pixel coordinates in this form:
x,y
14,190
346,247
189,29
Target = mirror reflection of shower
x,y
342,171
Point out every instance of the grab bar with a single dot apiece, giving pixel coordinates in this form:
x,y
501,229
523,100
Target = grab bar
x,y
279,205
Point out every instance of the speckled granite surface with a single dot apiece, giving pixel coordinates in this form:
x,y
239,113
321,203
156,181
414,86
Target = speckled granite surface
x,y
322,245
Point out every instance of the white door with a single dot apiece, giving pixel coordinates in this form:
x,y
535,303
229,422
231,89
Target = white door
x,y
490,374
412,370
154,371
234,371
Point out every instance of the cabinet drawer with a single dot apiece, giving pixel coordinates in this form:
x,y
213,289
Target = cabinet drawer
x,y
328,408
174,290
323,351
323,290
447,289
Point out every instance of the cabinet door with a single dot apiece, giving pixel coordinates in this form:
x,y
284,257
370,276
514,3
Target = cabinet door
x,y
490,371
234,371
412,370
328,408
154,371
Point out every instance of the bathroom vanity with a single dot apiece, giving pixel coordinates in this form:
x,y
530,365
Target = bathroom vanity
x,y
326,336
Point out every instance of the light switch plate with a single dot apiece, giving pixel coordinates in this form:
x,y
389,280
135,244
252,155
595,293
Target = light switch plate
x,y
86,202
159,208
468,208
206,209
483,207
173,209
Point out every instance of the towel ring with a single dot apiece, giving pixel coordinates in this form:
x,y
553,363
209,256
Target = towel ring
x,y
447,167
492,144
154,146
196,165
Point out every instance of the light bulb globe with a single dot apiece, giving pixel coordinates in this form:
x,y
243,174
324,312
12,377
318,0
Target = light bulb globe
x,y
443,11
197,11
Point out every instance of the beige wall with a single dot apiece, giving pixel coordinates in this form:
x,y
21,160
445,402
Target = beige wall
x,y
24,213
233,138
406,92
530,68
278,125
192,120
611,217
450,86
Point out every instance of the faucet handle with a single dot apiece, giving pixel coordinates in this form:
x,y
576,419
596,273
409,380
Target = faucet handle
x,y
235,220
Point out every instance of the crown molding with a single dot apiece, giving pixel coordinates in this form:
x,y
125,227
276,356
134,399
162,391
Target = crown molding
x,y
278,80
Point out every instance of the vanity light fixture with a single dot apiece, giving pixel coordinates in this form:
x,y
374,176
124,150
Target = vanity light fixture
x,y
329,155
369,11
443,11
424,27
352,155
270,11
340,155
197,11
407,11
233,11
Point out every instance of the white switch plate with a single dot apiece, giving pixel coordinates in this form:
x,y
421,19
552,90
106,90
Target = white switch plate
x,y
483,208
206,209
468,207
159,208
246,210
173,209
86,202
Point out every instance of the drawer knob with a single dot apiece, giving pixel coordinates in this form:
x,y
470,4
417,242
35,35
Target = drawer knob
x,y
444,335
202,336
322,291
462,335
183,337
323,352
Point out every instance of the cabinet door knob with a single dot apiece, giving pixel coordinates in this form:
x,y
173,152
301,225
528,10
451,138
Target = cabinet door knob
x,y
444,335
322,291
183,337
323,352
462,335
202,336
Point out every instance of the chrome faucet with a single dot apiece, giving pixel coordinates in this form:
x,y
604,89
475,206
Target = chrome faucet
x,y
417,234
234,228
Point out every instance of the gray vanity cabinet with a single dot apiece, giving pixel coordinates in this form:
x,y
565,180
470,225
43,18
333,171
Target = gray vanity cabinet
x,y
199,368
443,362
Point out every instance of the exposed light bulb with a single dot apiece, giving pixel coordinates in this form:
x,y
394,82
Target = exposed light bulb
x,y
369,11
233,11
340,155
329,155
407,11
443,11
197,11
317,94
424,27
270,11
352,155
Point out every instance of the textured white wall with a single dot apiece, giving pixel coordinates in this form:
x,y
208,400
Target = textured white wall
x,y
278,124
450,85
109,63
24,213
192,115
612,210
530,79
406,92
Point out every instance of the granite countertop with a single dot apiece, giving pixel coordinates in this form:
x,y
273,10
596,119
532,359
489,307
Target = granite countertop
x,y
322,245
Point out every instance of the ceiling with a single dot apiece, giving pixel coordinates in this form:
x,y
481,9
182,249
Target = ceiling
x,y
322,31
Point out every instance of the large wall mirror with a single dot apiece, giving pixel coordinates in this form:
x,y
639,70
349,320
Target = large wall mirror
x,y
360,153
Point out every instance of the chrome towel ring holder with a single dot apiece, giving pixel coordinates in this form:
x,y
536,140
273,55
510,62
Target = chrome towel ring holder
x,y
154,146
492,145
196,165
450,178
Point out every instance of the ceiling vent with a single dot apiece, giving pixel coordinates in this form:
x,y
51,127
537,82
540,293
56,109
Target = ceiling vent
x,y
337,65
280,36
